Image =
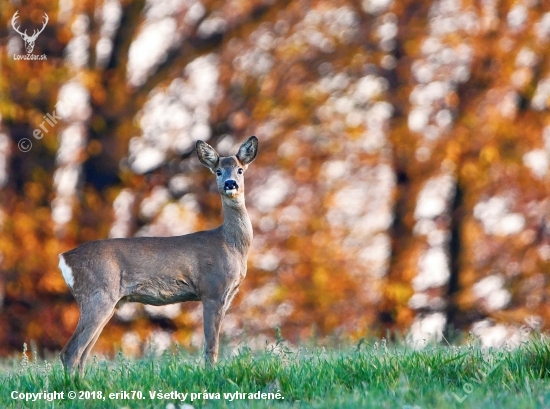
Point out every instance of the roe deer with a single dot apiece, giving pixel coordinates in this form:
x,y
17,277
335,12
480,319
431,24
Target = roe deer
x,y
207,265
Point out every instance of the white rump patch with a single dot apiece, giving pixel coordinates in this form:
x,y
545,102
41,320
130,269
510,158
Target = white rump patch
x,y
66,270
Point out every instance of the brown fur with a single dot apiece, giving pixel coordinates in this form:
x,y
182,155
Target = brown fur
x,y
208,265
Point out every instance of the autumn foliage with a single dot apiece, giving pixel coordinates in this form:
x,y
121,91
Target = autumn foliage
x,y
402,182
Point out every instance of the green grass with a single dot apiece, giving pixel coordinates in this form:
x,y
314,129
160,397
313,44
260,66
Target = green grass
x,y
364,376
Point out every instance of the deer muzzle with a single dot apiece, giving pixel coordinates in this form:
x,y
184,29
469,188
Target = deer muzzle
x,y
230,187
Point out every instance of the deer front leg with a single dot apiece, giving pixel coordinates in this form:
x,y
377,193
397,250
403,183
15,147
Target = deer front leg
x,y
213,312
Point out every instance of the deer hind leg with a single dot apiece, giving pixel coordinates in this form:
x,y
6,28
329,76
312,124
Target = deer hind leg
x,y
94,314
91,344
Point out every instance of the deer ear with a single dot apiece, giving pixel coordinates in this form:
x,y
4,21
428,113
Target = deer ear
x,y
207,155
248,151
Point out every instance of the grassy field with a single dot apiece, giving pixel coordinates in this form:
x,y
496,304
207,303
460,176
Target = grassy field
x,y
368,375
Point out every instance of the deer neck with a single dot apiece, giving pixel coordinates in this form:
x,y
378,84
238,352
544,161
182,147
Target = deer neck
x,y
236,227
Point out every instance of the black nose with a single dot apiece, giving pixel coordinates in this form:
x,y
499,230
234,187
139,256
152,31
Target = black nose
x,y
230,185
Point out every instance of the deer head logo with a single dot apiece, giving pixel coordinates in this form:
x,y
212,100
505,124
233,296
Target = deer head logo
x,y
29,40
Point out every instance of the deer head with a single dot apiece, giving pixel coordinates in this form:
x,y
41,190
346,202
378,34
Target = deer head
x,y
29,40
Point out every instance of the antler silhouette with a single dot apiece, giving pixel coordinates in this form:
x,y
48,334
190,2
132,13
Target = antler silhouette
x,y
36,32
24,34
29,40
17,28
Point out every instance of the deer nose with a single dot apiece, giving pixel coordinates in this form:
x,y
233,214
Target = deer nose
x,y
230,185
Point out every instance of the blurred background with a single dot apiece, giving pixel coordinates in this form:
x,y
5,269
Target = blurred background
x,y
402,184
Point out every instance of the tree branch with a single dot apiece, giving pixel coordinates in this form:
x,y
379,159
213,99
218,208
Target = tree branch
x,y
196,46
129,24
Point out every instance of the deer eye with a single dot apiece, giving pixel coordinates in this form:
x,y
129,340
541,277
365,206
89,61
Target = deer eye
x,y
219,172
240,171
